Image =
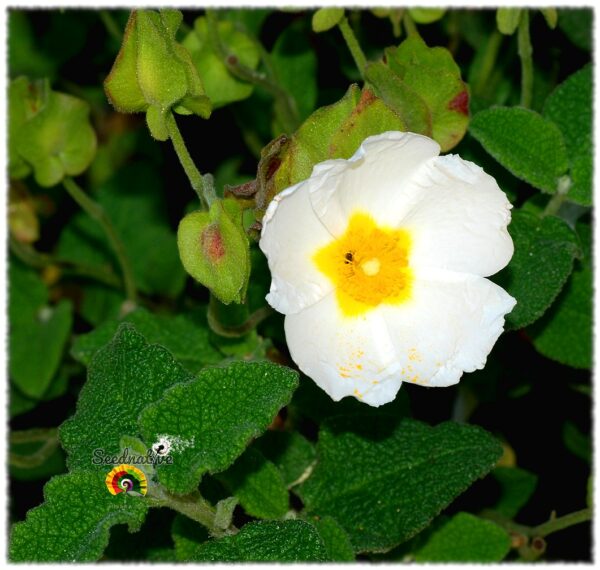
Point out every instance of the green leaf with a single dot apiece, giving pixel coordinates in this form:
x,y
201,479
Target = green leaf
x,y
335,131
291,452
431,76
100,302
564,333
187,536
220,85
24,56
525,143
466,538
266,541
543,260
73,523
426,15
570,107
123,378
410,106
326,18
578,443
517,486
185,336
215,416
56,138
294,61
385,480
576,23
551,16
336,539
38,332
508,20
134,201
258,485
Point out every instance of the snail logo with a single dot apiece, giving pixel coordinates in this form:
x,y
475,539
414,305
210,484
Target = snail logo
x,y
126,479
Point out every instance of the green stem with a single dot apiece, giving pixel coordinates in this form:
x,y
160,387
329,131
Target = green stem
x,y
357,53
488,65
561,523
284,103
34,258
193,506
236,331
193,174
544,529
47,437
525,53
111,26
554,204
95,211
410,26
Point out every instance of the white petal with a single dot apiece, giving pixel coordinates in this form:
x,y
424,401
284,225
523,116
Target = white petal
x,y
291,234
344,356
459,222
375,180
448,327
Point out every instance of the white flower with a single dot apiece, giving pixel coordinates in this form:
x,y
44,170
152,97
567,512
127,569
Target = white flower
x,y
379,264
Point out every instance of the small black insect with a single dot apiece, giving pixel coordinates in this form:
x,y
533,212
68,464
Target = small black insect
x,y
349,257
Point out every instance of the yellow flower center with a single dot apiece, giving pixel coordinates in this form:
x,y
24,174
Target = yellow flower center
x,y
368,265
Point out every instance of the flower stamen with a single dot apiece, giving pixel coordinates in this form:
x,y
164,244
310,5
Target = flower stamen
x,y
368,265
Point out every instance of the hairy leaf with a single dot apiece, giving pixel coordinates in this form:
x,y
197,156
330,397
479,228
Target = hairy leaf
x,y
570,107
123,378
525,143
185,336
465,538
38,332
564,333
73,523
517,486
543,260
258,485
385,480
266,541
212,419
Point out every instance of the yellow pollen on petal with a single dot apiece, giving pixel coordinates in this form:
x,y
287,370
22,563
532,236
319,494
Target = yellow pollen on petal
x,y
368,265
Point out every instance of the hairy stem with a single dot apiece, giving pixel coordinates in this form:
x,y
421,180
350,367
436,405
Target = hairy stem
x,y
94,210
284,104
196,179
492,49
357,53
193,506
238,330
526,55
544,529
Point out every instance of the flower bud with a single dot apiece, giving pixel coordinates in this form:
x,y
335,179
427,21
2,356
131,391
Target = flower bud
x,y
153,73
49,132
215,251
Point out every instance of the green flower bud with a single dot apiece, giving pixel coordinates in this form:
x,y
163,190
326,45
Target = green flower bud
x,y
49,132
214,250
153,73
